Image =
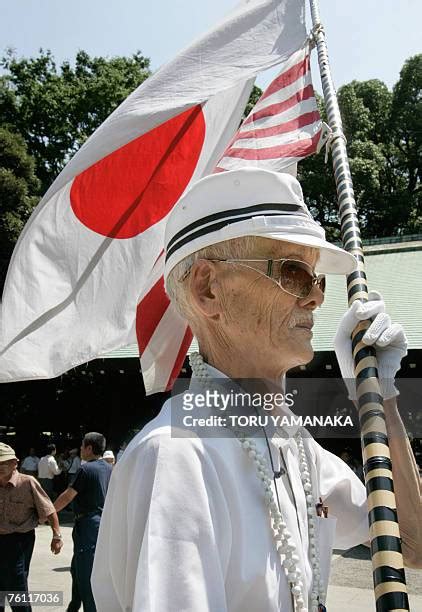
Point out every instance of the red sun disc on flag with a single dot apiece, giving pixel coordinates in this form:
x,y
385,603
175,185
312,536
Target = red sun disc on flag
x,y
134,187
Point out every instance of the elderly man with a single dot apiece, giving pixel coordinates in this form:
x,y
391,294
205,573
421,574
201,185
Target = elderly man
x,y
23,504
229,523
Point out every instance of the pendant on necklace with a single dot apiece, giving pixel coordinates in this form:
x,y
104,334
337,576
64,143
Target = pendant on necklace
x,y
280,473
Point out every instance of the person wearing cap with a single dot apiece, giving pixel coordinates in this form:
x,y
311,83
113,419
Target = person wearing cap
x,y
88,492
109,457
23,505
228,523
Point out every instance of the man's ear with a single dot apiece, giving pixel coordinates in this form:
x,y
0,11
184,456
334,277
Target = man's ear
x,y
203,285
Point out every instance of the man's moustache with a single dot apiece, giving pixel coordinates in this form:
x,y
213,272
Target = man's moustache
x,y
301,321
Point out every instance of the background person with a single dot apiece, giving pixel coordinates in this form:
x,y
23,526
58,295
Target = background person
x,y
88,492
29,465
121,450
60,481
109,457
346,455
48,469
23,504
74,463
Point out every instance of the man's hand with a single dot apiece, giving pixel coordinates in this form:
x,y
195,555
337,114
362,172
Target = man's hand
x,y
389,340
56,545
56,540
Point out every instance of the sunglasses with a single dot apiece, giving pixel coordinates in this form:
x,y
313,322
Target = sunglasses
x,y
293,276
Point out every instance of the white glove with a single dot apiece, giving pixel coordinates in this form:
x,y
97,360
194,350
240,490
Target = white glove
x,y
389,340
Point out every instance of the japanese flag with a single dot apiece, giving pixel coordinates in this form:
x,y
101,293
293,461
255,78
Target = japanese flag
x,y
91,250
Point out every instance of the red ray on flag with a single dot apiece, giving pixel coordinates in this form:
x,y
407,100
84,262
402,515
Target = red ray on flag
x,y
149,321
150,312
163,336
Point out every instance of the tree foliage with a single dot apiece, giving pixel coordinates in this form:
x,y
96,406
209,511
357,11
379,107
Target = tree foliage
x,y
384,131
18,188
256,93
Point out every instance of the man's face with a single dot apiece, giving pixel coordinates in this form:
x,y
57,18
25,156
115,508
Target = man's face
x,y
258,314
7,468
86,451
32,452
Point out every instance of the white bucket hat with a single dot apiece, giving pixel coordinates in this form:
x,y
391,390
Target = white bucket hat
x,y
248,202
108,454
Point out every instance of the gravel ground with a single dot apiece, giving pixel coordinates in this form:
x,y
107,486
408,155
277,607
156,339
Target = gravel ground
x,y
354,567
350,583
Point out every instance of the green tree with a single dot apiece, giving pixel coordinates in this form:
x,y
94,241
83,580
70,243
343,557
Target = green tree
x,y
317,180
383,131
256,93
406,126
56,109
18,188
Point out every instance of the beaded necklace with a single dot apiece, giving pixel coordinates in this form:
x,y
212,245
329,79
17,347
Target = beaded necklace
x,y
282,536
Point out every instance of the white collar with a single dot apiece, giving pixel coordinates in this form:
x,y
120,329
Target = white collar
x,y
283,433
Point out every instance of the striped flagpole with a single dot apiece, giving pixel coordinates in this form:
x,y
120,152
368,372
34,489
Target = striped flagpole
x,y
387,561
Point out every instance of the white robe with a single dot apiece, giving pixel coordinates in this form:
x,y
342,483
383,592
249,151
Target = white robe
x,y
185,527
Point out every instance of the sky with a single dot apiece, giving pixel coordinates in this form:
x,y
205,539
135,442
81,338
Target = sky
x,y
366,38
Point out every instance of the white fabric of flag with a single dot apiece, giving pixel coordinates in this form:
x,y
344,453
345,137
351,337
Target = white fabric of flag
x,y
86,256
284,126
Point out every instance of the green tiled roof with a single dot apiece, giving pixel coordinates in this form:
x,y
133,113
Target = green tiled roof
x,y
126,351
393,270
397,276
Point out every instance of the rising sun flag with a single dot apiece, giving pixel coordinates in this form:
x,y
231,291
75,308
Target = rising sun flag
x,y
90,255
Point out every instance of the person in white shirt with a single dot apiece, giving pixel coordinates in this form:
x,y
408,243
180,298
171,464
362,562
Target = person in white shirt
x,y
235,522
48,469
30,464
